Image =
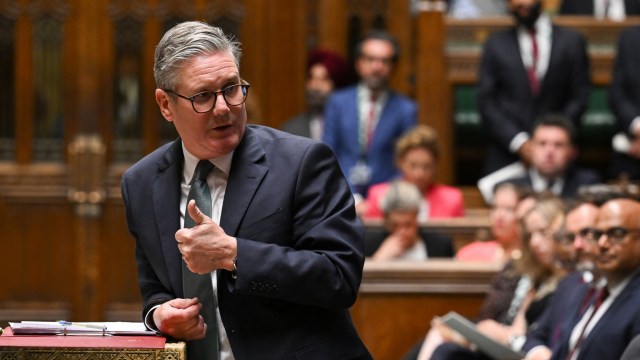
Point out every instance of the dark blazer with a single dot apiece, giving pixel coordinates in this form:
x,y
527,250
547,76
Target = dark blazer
x,y
298,125
438,246
632,352
341,125
613,332
300,255
625,96
569,296
574,179
585,7
507,105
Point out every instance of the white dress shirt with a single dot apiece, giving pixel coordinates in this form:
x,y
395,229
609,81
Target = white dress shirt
x,y
544,31
217,181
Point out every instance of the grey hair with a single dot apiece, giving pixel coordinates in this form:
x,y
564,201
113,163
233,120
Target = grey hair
x,y
184,42
401,196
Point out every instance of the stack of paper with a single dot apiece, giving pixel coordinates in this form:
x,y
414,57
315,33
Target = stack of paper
x,y
79,328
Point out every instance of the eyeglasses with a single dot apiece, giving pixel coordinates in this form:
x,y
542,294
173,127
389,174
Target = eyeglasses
x,y
567,238
615,234
203,102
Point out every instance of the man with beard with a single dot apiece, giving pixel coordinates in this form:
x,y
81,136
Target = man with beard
x,y
574,290
612,320
326,72
363,122
532,69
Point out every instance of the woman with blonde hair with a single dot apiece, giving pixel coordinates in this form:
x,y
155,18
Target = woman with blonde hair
x,y
539,274
417,159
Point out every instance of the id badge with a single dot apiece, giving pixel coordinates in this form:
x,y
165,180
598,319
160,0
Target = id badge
x,y
360,174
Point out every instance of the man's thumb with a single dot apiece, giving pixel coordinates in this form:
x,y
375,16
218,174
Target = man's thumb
x,y
198,216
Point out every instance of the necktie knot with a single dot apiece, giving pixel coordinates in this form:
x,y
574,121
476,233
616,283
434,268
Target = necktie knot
x,y
203,169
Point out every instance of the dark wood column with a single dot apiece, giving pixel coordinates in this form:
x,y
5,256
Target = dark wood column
x,y
433,91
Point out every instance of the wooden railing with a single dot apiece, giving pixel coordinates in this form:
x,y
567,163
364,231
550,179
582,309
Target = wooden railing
x,y
397,300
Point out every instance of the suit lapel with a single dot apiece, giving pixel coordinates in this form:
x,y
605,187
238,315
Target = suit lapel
x,y
555,58
244,179
512,50
620,307
166,203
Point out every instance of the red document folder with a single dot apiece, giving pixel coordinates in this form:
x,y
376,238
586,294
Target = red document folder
x,y
78,341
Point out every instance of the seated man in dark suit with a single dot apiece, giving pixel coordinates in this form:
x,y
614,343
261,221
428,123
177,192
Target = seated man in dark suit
x,y
612,319
553,155
601,9
401,238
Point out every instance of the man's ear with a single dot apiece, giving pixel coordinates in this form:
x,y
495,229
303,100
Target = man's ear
x,y
162,98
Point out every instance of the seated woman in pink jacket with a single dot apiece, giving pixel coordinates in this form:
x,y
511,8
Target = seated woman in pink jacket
x,y
417,159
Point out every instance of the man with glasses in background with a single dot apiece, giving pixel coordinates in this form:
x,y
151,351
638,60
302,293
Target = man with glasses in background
x,y
247,241
364,121
603,328
575,289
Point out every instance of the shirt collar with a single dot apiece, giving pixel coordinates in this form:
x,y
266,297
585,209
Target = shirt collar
x,y
223,163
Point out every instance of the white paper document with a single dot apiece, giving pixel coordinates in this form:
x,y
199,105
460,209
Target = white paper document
x,y
79,328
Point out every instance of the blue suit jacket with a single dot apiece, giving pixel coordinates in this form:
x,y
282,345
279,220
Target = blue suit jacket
x,y
613,332
300,255
505,101
341,132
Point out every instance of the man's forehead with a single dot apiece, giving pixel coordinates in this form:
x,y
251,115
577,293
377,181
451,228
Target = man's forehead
x,y
618,212
547,133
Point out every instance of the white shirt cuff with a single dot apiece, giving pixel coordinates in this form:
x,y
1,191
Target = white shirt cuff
x,y
148,319
518,141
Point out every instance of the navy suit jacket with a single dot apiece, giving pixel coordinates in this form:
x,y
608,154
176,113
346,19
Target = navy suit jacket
x,y
585,7
507,105
299,125
625,96
568,297
300,254
341,125
613,332
573,180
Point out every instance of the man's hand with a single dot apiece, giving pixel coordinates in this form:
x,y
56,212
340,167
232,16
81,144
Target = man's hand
x,y
181,319
525,152
393,246
539,353
205,247
634,147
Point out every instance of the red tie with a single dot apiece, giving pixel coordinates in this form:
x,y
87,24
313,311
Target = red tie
x,y
533,77
371,118
602,295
